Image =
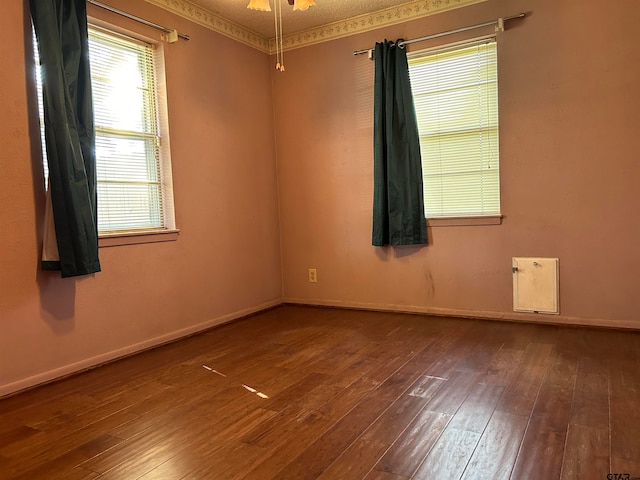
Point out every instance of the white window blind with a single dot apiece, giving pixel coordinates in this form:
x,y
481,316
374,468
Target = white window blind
x,y
127,136
40,106
456,98
133,171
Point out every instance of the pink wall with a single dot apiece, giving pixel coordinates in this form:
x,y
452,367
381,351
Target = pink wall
x,y
570,116
226,260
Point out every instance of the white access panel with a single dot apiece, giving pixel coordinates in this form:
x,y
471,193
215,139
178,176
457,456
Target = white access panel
x,y
535,285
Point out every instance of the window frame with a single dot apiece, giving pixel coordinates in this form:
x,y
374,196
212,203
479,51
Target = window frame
x,y
465,219
168,231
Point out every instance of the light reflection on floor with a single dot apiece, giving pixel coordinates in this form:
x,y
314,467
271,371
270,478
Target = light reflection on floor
x,y
246,387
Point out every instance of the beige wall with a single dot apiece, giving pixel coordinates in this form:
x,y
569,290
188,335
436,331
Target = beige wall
x,y
227,258
569,122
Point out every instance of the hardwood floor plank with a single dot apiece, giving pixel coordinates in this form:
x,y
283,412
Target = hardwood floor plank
x,y
407,453
449,456
390,367
296,391
158,443
590,406
520,395
49,447
625,417
397,383
66,464
452,393
315,459
503,367
542,449
290,418
136,456
344,356
287,444
351,395
289,434
402,412
451,351
587,342
625,465
361,456
480,357
204,449
172,469
378,475
76,473
394,420
362,365
200,443
541,453
225,463
356,461
476,410
555,397
426,387
586,453
17,434
284,423
497,449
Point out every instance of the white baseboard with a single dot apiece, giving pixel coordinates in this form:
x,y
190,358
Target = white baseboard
x,y
480,314
106,357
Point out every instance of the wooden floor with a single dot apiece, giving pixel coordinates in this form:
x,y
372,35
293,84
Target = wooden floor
x,y
303,393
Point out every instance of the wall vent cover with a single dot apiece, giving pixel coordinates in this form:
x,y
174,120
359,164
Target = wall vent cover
x,y
535,285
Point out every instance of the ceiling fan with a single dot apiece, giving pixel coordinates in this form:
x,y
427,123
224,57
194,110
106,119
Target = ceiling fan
x,y
264,4
266,7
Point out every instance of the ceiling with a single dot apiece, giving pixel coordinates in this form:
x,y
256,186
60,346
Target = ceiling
x,y
325,11
327,20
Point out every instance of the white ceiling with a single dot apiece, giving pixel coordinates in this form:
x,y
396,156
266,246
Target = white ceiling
x,y
324,12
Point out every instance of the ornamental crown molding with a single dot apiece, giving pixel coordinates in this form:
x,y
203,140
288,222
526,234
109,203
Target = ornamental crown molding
x,y
370,21
343,28
214,22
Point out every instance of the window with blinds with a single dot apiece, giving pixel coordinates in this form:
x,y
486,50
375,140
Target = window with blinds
x,y
455,93
132,164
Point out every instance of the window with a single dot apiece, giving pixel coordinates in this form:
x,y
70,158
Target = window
x,y
133,168
455,93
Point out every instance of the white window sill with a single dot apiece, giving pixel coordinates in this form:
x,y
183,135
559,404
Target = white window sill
x,y
464,221
134,238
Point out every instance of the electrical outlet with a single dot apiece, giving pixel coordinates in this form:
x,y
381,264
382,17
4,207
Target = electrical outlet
x,y
313,275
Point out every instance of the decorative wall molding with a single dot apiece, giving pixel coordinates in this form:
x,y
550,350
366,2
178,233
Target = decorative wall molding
x,y
370,21
362,23
214,22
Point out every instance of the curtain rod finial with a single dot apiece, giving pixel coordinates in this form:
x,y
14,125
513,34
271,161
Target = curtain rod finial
x,y
172,36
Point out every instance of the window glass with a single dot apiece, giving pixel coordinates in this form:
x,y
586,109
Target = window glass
x,y
133,170
456,98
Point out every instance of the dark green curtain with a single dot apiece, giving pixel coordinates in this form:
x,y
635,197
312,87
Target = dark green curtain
x,y
398,202
61,30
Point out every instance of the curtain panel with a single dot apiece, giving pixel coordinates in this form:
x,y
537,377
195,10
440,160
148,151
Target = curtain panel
x,y
398,200
61,31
